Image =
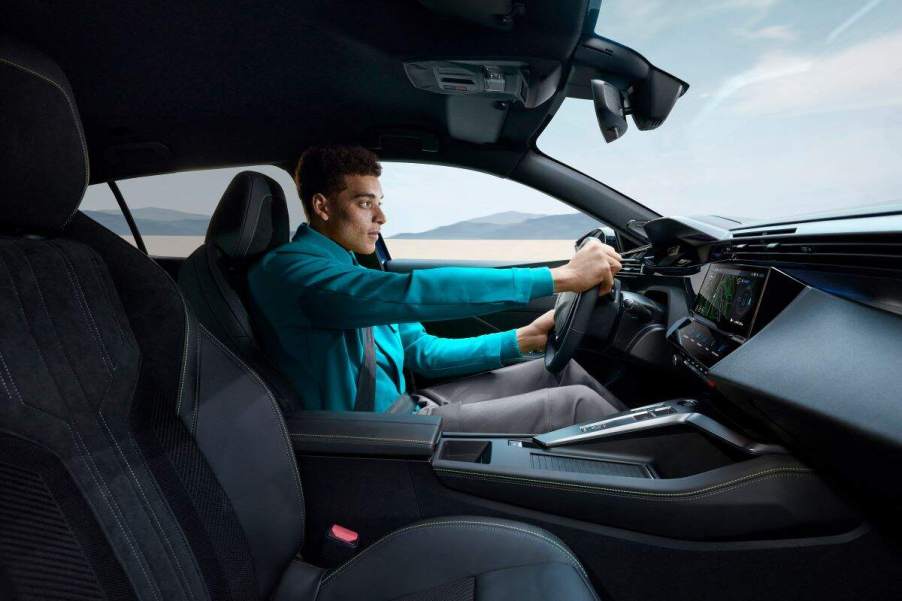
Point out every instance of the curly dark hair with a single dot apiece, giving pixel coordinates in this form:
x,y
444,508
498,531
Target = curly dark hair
x,y
321,170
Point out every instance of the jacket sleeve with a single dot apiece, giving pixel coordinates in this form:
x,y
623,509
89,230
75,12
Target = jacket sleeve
x,y
344,296
436,357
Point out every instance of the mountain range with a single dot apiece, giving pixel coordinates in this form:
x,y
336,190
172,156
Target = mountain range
x,y
507,225
153,221
511,225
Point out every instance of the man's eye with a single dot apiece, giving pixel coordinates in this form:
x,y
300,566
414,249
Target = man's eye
x,y
366,204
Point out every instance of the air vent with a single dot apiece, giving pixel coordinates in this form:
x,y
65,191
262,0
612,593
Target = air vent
x,y
630,266
875,251
756,233
632,261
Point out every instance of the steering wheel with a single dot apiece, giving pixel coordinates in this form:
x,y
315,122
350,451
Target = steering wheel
x,y
573,314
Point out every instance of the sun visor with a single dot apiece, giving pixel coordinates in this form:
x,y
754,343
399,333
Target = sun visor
x,y
475,119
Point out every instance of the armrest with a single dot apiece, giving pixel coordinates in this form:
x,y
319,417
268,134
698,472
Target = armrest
x,y
370,434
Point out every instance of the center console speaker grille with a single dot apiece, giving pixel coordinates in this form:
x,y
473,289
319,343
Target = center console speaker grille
x,y
588,466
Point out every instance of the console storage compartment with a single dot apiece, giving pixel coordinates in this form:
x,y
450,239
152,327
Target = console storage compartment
x,y
469,451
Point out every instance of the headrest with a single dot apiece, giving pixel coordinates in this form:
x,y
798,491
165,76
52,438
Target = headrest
x,y
251,217
43,154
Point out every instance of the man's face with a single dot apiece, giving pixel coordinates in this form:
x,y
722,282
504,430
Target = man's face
x,y
354,216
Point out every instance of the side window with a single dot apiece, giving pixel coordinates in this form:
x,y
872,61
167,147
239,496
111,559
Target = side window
x,y
100,205
439,212
172,210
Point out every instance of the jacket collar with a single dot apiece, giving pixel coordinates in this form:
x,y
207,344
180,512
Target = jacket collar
x,y
308,236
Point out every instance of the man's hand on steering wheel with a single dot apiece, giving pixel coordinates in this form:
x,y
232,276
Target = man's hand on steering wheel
x,y
594,264
533,337
586,277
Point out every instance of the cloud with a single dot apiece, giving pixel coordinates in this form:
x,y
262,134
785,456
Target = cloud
x,y
747,4
863,76
770,69
858,14
640,20
782,33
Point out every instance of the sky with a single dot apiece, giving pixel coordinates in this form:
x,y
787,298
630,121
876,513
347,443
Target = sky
x,y
795,106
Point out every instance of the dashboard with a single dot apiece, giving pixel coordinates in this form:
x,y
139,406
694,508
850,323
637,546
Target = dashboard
x,y
732,303
796,326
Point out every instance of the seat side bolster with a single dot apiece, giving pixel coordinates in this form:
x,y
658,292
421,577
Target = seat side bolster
x,y
478,546
239,428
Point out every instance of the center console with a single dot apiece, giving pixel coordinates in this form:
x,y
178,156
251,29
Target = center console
x,y
664,469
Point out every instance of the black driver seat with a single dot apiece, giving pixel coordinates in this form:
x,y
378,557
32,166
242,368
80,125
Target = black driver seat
x,y
139,457
250,220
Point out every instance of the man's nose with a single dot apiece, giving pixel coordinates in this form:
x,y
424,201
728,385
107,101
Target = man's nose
x,y
379,216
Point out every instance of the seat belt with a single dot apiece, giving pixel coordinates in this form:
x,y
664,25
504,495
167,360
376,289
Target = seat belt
x,y
404,405
366,379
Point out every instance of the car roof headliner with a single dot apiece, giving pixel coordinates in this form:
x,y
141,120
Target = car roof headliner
x,y
217,83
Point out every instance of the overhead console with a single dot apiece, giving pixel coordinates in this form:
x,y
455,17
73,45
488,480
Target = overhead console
x,y
528,82
480,92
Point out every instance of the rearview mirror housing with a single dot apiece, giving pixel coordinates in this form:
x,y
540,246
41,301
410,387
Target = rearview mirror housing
x,y
609,110
654,97
645,91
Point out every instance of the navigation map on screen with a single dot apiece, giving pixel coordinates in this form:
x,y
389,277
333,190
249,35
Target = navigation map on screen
x,y
729,296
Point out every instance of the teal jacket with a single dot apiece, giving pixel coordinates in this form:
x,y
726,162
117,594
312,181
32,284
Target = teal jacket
x,y
312,297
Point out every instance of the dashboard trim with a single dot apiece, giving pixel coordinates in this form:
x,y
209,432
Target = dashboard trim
x,y
825,373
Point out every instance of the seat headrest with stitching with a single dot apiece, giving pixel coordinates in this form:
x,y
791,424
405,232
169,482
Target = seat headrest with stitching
x,y
43,154
251,218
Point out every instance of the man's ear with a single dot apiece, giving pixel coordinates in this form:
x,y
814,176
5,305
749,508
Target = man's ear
x,y
320,205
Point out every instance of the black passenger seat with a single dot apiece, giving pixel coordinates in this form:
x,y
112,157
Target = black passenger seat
x,y
250,220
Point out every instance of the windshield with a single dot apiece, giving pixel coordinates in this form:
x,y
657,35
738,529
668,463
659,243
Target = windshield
x,y
795,106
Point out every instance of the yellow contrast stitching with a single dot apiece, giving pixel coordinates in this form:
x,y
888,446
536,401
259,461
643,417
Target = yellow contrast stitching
x,y
573,487
362,438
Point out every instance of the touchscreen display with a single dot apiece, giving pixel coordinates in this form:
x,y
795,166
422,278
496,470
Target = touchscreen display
x,y
729,297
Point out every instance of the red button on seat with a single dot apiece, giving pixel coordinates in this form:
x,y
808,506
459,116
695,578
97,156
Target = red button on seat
x,y
343,534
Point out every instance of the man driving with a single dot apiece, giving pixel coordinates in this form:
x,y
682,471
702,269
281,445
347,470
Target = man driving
x,y
343,334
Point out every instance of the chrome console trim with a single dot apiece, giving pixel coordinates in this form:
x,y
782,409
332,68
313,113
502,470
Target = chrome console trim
x,y
652,417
